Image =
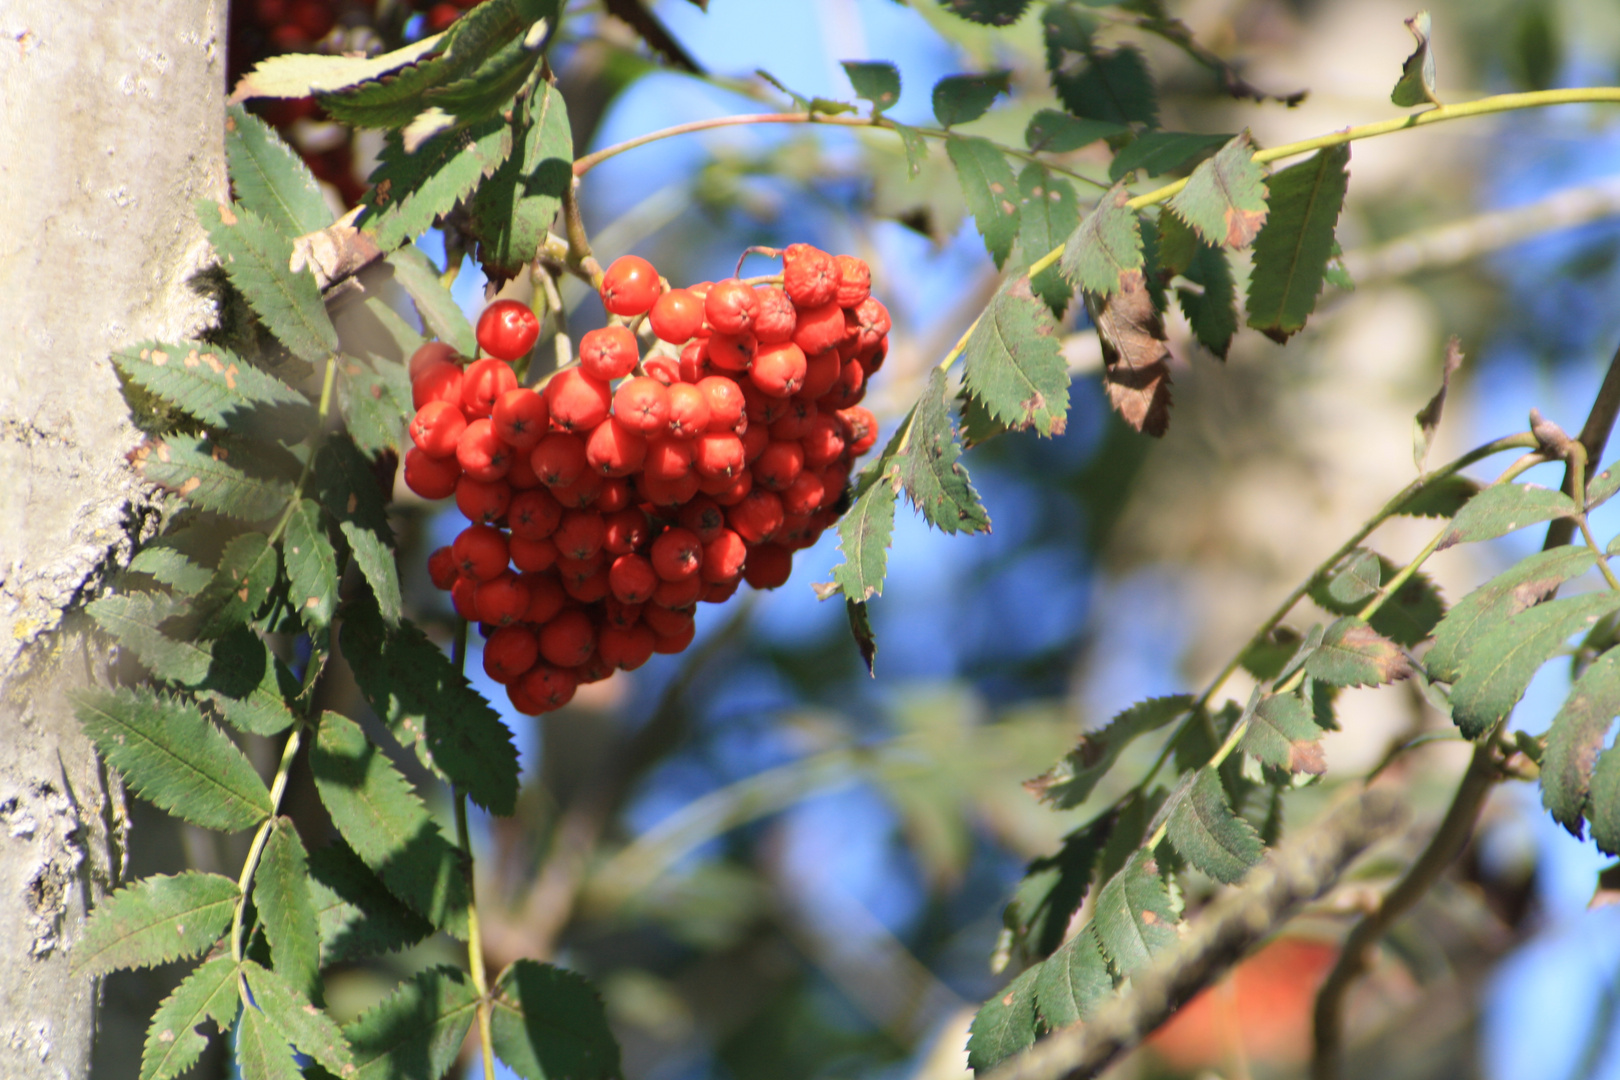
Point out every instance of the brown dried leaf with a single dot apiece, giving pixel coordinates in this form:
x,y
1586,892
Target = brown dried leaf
x,y
1135,353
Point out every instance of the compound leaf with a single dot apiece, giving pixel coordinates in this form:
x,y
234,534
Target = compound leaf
x,y
155,920
1521,586
134,619
935,481
174,758
1053,888
173,1043
1004,1025
1012,364
357,915
513,210
1352,653
1068,783
297,75
1134,918
440,313
217,387
1283,733
1576,738
258,260
241,584
549,1023
249,684
411,190
1074,980
990,190
877,81
416,1030
286,910
1504,508
1292,251
385,823
270,178
1204,831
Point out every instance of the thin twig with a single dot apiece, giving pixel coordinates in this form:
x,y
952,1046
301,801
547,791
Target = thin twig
x,y
1594,436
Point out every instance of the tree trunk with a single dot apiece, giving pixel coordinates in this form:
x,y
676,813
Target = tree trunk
x,y
112,125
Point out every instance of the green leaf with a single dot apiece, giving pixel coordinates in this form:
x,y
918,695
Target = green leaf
x,y
357,915
1576,738
1068,783
1604,808
1441,497
1047,215
243,582
1416,84
1059,133
219,388
1292,251
249,684
376,405
1074,980
916,147
174,758
430,706
440,313
1155,153
1524,584
1114,85
1354,654
863,537
989,189
385,823
877,81
1053,889
134,620
173,1043
1004,1025
1012,363
487,91
513,210
1503,659
860,628
417,1030
1225,198
155,920
410,191
349,492
311,565
310,1029
169,564
1134,918
548,1023
1504,508
1355,580
270,178
1407,617
281,892
1205,832
1282,733
200,470
297,75
987,12
261,1051
959,99
1211,309
1105,247
257,260
1601,487
934,480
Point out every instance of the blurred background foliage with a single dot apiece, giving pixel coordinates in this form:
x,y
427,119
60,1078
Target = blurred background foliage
x,y
774,866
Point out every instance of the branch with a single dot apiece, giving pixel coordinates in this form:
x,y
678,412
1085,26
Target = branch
x,y
1295,873
1594,437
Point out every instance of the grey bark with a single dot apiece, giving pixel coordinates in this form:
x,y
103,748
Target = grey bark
x,y
111,124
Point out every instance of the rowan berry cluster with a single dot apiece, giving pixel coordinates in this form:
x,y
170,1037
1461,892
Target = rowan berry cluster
x,y
606,504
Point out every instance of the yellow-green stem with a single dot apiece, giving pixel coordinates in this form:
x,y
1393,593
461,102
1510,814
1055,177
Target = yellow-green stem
x,y
250,865
475,936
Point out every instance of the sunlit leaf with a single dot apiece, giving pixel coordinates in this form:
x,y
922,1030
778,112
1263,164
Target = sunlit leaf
x,y
1526,583
1575,739
1292,250
357,915
1206,833
286,910
416,1030
1416,84
1074,980
990,190
877,81
1354,654
258,260
1134,918
155,920
270,178
173,1042
1047,216
1225,197
1012,364
1105,247
1004,1025
933,478
1504,508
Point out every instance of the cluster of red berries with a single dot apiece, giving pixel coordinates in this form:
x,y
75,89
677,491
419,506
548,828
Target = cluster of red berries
x,y
605,505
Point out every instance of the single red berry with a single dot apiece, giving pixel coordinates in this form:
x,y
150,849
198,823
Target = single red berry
x,y
521,474
667,621
546,598
502,600
581,493
723,557
642,405
630,286
719,594
668,459
481,453
429,354
769,566
628,648
798,531
873,360
588,588
619,615
625,531
730,352
559,459
860,430
580,534
730,493
508,329
632,579
719,455
676,316
568,639
464,598
483,383
776,319
703,517
868,323
677,554
809,276
757,517
431,478
755,440
440,16
548,688
437,382
666,369
821,373
731,307
533,514
849,390
509,652
437,427
521,418
532,556
442,569
779,465
694,361
677,641
668,493
689,412
614,448
727,403
819,329
823,442
608,353
483,502
614,495
578,402
594,670
804,495
762,408
679,594
480,551
779,370
854,280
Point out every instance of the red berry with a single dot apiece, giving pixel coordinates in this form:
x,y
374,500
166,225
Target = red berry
x,y
464,598
668,459
798,531
679,594
868,323
779,370
668,492
757,517
630,286
521,474
559,459
677,554
521,418
793,423
809,276
437,427
779,465
676,316
544,686
723,557
480,552
627,648
762,408
823,442
849,389
568,639
502,600
719,455
580,535
819,329
594,670
509,652
437,382
534,514
677,641
431,478
608,353
776,319
481,453
804,495
731,307
821,373
694,361
615,449
625,531
587,588
732,492
854,280
719,594
483,383
726,403
642,405
482,502
860,430
429,354
442,569
703,517
755,440
546,598
508,329
666,369
581,493
532,556
578,402
769,566
728,352
632,579
667,622
619,615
